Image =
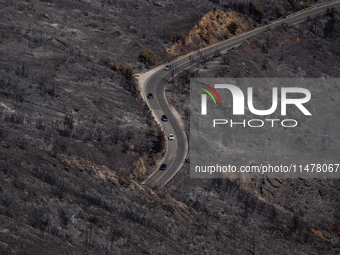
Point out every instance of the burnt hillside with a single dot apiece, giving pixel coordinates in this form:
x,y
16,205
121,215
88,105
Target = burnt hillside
x,y
76,140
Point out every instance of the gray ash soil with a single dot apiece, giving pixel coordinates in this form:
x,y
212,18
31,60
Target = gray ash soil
x,y
75,140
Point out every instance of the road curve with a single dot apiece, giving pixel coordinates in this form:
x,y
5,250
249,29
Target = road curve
x,y
155,81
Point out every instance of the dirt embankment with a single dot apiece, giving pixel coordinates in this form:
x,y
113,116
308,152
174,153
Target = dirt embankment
x,y
214,27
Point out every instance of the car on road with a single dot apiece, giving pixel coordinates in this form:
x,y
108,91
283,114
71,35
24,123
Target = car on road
x,y
163,167
164,118
150,96
167,67
171,137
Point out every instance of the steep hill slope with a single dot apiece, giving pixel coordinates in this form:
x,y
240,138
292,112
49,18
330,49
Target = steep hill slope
x,y
309,50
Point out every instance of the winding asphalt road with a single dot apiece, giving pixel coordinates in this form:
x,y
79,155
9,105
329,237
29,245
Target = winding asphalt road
x,y
155,83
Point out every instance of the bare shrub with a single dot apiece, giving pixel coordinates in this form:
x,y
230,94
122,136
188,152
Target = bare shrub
x,y
14,118
59,189
94,219
18,184
40,125
78,132
9,212
88,136
127,72
123,179
94,119
2,134
22,143
159,145
279,10
68,125
232,27
138,148
59,146
6,201
179,38
98,135
64,217
226,60
125,148
116,234
52,89
217,53
148,57
256,10
44,175
38,220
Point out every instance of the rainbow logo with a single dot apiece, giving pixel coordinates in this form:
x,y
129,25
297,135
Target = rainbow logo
x,y
210,94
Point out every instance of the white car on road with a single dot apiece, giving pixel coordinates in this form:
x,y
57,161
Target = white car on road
x,y
171,137
167,67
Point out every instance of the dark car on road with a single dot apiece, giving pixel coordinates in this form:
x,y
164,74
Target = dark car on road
x,y
150,96
164,118
163,167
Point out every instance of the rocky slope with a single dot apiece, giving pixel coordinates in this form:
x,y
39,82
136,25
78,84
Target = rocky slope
x,y
215,26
